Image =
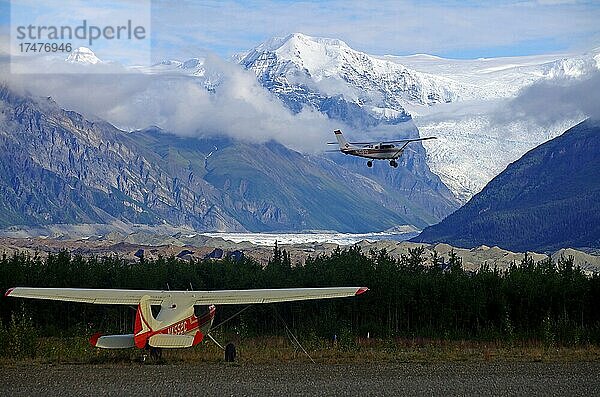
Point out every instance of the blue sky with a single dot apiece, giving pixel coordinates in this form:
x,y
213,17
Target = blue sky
x,y
458,29
455,29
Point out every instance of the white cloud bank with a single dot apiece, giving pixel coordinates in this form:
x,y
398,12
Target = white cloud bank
x,y
551,100
239,107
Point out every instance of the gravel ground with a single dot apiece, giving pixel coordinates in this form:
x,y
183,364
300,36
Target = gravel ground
x,y
581,378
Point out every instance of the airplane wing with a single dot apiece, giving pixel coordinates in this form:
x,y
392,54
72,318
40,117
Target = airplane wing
x,y
236,297
397,141
84,295
218,297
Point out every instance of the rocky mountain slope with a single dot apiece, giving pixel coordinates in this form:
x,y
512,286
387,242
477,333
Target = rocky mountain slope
x,y
548,199
59,167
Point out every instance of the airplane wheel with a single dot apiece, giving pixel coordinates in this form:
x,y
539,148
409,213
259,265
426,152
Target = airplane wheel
x,y
155,354
230,353
393,163
369,163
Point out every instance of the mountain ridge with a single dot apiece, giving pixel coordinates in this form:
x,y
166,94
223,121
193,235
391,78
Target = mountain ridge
x,y
546,200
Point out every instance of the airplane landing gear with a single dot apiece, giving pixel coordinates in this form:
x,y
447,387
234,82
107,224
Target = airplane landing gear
x,y
155,354
393,163
230,353
152,355
369,163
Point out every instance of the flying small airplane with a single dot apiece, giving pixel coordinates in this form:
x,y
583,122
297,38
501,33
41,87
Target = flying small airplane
x,y
176,325
374,150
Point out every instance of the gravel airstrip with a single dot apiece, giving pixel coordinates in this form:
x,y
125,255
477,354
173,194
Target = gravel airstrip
x,y
373,379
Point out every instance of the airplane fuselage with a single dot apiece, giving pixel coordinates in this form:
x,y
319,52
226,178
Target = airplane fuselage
x,y
188,325
374,152
175,324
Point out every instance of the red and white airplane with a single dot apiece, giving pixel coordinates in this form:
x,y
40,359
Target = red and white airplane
x,y
176,324
374,150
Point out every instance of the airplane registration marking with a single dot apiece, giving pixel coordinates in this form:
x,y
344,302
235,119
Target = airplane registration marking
x,y
177,329
182,327
371,151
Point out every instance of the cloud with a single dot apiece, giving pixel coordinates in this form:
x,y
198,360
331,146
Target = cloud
x,y
549,101
239,107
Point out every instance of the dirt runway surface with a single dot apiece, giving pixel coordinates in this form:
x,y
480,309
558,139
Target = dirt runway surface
x,y
494,379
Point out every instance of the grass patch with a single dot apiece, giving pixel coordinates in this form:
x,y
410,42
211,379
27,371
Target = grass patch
x,y
274,349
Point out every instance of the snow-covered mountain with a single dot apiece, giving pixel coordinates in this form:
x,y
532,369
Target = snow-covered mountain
x,y
83,55
462,102
208,77
492,78
310,66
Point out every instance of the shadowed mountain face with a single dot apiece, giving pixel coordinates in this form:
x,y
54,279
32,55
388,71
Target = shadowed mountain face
x,y
548,199
58,167
268,187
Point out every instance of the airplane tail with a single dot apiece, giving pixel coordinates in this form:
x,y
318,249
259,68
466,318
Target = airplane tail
x,y
145,322
341,140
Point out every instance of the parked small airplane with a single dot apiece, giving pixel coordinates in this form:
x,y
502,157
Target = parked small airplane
x,y
374,150
176,324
